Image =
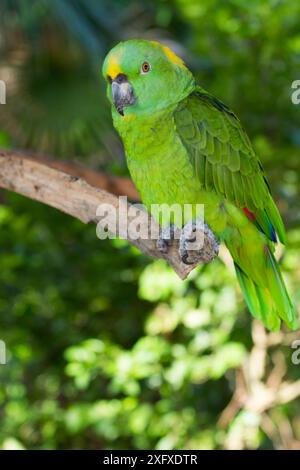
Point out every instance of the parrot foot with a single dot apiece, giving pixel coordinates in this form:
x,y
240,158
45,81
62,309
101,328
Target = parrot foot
x,y
193,248
166,236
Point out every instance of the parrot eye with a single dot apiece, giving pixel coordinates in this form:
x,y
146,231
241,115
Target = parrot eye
x,y
146,67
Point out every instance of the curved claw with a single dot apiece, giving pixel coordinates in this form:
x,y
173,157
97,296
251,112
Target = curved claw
x,y
197,253
185,260
165,239
162,245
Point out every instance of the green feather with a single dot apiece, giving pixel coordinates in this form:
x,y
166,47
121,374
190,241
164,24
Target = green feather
x,y
285,309
220,177
209,149
208,175
234,160
258,301
184,145
275,219
218,153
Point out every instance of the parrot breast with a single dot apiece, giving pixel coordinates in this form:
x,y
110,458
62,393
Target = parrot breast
x,y
162,170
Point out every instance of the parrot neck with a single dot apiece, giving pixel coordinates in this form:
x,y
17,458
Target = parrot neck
x,y
145,135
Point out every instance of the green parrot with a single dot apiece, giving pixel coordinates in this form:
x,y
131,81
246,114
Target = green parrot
x,y
184,146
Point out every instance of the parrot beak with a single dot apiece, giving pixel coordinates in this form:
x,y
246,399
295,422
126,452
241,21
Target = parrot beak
x,y
122,93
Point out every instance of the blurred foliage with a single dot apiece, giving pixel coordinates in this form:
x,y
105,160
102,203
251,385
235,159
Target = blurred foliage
x,y
108,349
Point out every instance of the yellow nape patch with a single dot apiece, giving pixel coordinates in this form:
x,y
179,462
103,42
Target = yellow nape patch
x,y
129,117
113,68
172,56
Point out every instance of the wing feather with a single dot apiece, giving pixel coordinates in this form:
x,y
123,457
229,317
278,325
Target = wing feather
x,y
222,155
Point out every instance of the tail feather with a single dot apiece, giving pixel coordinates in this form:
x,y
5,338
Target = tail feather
x,y
269,312
269,303
259,301
276,220
285,308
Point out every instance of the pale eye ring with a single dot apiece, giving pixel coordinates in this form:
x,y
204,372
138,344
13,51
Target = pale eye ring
x,y
146,67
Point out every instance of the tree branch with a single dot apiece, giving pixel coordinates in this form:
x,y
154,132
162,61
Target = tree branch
x,y
74,196
117,185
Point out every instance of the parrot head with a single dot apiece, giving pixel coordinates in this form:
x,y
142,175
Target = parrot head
x,y
144,77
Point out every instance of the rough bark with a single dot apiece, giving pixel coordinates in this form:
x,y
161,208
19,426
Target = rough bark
x,y
73,195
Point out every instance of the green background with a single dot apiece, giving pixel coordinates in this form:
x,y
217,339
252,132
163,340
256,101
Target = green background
x,y
107,348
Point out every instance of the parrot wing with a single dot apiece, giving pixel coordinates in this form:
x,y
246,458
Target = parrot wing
x,y
224,159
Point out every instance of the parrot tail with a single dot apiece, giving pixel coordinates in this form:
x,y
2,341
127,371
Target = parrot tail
x,y
269,303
